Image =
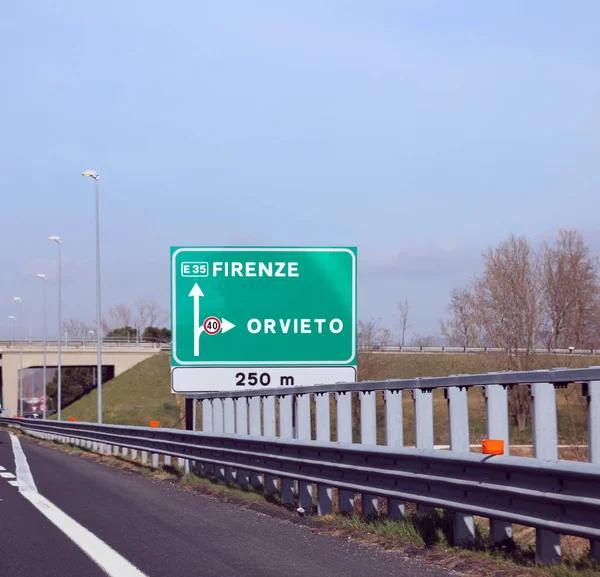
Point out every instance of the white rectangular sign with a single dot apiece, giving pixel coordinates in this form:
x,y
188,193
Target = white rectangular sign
x,y
209,379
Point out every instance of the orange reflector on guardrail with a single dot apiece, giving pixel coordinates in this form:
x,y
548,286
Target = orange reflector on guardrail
x,y
154,424
492,447
72,419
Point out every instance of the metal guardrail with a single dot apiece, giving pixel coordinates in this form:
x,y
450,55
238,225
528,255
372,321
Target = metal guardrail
x,y
558,497
265,431
559,376
264,410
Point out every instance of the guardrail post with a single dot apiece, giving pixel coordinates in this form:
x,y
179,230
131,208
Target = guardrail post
x,y
344,435
545,446
255,429
207,427
496,415
592,391
394,437
144,457
323,430
167,460
194,409
269,430
304,432
155,460
241,428
190,405
229,427
218,427
134,454
458,421
368,436
116,450
125,452
423,401
286,431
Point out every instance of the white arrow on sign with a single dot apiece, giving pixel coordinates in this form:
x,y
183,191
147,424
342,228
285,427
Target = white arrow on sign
x,y
196,293
225,326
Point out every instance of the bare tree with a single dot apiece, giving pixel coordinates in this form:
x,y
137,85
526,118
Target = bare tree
x,y
149,314
525,297
507,300
571,292
404,326
156,315
371,337
421,340
75,328
509,310
503,308
462,330
119,316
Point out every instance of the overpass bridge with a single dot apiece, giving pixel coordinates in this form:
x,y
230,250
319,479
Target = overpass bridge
x,y
118,355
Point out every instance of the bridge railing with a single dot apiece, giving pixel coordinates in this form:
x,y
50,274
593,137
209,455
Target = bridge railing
x,y
281,440
84,344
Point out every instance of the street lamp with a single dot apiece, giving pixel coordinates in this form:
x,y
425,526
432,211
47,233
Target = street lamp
x,y
58,242
20,301
93,174
44,278
13,319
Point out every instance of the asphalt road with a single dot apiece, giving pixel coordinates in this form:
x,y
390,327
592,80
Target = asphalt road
x,y
159,529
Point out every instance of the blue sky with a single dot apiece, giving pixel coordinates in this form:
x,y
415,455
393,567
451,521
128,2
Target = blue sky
x,y
420,132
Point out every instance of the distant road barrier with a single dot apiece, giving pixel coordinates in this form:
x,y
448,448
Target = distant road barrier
x,y
458,350
120,342
475,350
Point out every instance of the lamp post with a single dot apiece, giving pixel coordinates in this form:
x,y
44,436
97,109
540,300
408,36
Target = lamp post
x,y
20,301
13,319
93,174
58,242
44,278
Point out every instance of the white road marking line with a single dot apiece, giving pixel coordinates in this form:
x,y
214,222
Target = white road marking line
x,y
15,483
2,469
7,475
22,466
97,550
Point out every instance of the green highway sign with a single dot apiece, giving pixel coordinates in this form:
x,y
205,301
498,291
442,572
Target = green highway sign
x,y
279,316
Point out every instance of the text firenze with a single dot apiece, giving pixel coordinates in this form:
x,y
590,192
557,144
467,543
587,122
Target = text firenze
x,y
256,269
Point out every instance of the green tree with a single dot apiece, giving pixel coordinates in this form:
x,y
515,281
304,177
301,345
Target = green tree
x,y
157,335
122,332
75,383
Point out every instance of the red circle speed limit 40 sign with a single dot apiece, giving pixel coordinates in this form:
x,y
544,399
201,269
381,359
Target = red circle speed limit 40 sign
x,y
212,325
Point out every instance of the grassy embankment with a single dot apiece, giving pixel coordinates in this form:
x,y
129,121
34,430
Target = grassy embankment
x,y
143,393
